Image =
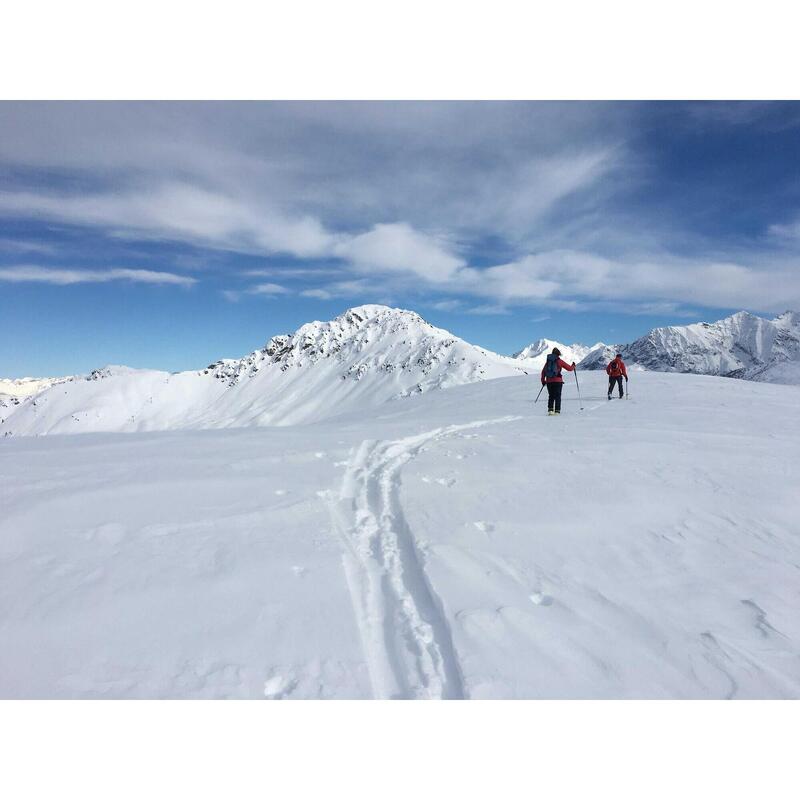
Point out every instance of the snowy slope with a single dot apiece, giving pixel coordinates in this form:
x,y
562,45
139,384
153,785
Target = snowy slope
x,y
739,346
535,354
456,544
363,358
13,391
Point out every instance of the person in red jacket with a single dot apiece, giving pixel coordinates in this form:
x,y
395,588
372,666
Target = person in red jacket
x,y
551,375
616,372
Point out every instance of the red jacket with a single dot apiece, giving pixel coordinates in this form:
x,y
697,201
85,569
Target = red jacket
x,y
617,368
558,378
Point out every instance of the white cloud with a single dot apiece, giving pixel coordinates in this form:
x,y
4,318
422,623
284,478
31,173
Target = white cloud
x,y
268,288
179,212
346,288
570,279
397,247
262,289
317,294
447,305
27,246
394,194
491,309
65,277
790,230
189,214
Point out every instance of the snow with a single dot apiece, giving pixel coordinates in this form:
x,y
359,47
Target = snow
x,y
454,543
535,354
20,388
740,346
367,356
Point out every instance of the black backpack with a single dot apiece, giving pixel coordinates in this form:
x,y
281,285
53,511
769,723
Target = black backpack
x,y
551,369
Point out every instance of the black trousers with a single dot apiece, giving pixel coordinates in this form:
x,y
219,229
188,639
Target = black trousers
x,y
554,396
612,381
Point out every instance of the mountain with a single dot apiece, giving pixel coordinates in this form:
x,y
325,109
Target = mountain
x,y
599,357
535,354
14,390
740,346
367,356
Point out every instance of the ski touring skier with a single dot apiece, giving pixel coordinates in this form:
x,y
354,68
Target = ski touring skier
x,y
551,377
616,372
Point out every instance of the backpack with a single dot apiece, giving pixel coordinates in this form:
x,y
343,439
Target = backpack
x,y
616,369
551,369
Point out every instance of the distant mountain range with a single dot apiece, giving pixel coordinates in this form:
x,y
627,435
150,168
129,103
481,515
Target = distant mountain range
x,y
369,355
740,346
535,354
17,389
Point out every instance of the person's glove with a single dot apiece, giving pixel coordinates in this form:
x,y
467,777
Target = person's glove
x,y
626,379
573,365
543,381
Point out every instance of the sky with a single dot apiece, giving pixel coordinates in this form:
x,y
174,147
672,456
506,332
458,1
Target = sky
x,y
168,235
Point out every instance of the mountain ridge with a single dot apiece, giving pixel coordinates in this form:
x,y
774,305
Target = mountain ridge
x,y
742,345
535,354
366,356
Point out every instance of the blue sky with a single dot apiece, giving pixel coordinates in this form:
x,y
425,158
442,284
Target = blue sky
x,y
168,235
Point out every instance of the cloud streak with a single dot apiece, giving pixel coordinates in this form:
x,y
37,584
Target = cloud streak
x,y
68,277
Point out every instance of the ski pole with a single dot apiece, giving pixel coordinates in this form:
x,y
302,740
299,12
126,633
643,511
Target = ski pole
x,y
579,389
537,396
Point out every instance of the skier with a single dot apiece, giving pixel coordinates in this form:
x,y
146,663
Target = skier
x,y
551,375
616,372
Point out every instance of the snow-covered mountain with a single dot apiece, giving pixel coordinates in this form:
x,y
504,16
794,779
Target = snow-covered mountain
x,y
600,356
14,390
535,354
365,357
740,346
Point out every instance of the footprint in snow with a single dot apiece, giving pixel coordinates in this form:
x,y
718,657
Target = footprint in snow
x,y
281,492
320,454
299,571
278,686
448,482
540,599
484,527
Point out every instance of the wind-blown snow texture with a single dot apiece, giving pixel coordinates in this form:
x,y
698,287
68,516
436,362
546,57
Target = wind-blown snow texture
x,y
365,357
455,544
739,346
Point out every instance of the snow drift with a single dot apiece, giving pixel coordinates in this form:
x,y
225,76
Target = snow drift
x,y
464,545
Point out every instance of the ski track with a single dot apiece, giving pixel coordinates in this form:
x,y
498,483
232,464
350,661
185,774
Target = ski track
x,y
404,630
